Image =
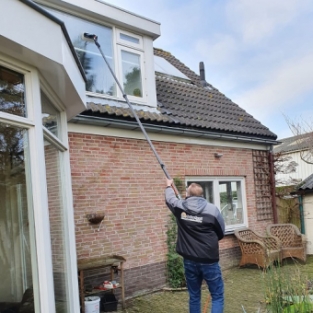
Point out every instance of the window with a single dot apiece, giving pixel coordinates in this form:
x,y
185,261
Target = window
x,y
36,212
12,92
123,51
131,72
228,194
15,224
50,116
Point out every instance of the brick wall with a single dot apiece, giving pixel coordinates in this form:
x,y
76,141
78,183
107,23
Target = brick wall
x,y
122,178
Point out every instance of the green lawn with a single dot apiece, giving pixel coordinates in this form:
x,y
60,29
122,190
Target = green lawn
x,y
243,287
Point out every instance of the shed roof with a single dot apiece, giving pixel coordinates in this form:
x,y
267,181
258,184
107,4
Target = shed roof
x,y
306,184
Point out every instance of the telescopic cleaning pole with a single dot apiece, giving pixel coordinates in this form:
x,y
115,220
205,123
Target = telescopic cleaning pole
x,y
93,37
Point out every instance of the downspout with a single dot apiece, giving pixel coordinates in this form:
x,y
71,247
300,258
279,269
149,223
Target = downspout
x,y
300,199
272,182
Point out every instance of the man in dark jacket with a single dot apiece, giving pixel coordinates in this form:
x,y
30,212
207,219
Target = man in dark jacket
x,y
200,227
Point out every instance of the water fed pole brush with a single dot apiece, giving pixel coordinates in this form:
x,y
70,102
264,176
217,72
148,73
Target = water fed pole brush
x,y
94,38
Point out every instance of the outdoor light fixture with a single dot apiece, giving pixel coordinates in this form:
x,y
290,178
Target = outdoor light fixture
x,y
95,218
218,155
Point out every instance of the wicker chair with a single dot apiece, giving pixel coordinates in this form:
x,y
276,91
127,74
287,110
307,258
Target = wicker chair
x,y
257,249
293,243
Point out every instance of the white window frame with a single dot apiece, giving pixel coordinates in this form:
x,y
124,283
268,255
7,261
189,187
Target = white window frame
x,y
216,195
41,255
120,72
127,43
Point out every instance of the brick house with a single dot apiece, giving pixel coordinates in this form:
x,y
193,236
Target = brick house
x,y
201,136
94,157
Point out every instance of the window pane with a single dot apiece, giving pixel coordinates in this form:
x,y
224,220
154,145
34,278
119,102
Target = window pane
x,y
131,74
12,92
129,38
15,226
57,226
231,202
99,78
49,114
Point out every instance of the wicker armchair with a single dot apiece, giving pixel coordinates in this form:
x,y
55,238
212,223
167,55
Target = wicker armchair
x,y
257,249
293,243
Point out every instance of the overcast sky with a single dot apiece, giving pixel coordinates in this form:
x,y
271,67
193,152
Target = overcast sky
x,y
259,53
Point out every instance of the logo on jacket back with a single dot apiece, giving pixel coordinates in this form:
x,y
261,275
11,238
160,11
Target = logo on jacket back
x,y
191,218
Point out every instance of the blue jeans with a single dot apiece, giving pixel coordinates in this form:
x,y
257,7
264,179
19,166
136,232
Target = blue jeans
x,y
197,272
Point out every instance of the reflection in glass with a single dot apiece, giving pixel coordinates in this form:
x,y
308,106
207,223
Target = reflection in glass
x,y
99,78
49,114
57,226
231,202
15,254
131,74
12,92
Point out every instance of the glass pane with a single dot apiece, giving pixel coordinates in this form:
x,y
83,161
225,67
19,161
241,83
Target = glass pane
x,y
99,78
231,202
165,67
57,226
15,226
12,92
131,74
129,38
49,114
207,189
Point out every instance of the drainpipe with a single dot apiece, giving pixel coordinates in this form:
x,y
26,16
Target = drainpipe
x,y
272,182
301,214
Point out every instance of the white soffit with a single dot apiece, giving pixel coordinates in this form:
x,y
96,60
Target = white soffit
x,y
33,38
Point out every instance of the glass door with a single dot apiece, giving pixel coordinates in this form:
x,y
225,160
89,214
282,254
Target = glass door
x,y
15,219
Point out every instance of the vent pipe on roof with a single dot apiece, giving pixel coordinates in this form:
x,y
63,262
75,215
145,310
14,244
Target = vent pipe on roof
x,y
202,75
202,71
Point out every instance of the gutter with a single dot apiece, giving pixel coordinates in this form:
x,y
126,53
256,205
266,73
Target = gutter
x,y
130,125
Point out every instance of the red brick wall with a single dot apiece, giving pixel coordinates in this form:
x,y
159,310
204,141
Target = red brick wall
x,y
123,178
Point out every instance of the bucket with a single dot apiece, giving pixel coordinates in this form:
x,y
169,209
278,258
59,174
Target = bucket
x,y
92,304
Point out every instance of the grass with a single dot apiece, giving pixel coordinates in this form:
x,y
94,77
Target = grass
x,y
244,288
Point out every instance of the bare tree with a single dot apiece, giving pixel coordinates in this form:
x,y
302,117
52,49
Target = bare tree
x,y
285,165
302,129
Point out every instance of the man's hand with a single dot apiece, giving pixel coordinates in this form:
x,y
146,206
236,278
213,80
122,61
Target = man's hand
x,y
169,182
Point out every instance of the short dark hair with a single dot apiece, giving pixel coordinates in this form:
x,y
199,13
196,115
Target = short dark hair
x,y
195,189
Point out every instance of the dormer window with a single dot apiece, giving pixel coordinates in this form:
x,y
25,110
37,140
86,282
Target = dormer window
x,y
123,51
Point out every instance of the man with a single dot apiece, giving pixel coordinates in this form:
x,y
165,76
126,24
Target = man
x,y
200,227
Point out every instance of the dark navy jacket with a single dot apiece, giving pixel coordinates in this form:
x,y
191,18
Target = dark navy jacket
x,y
200,227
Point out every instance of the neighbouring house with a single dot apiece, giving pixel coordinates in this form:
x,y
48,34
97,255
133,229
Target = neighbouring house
x,y
70,147
295,155
298,149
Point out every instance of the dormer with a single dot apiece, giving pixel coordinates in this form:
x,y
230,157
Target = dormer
x,y
126,40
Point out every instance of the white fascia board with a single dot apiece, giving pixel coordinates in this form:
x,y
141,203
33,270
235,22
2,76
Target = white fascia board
x,y
137,134
111,14
38,41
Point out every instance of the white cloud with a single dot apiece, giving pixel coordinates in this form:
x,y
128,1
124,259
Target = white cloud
x,y
221,50
256,20
291,80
